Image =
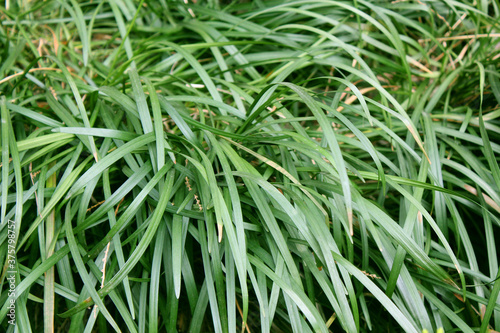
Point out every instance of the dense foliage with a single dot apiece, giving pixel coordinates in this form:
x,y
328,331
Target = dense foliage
x,y
257,166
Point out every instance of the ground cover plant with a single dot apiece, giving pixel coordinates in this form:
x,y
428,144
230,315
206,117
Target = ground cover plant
x,y
256,166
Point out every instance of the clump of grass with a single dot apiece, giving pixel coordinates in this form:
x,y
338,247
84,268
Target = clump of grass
x,y
250,166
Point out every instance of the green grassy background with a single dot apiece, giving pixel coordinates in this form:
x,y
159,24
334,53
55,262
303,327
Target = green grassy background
x,y
257,166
